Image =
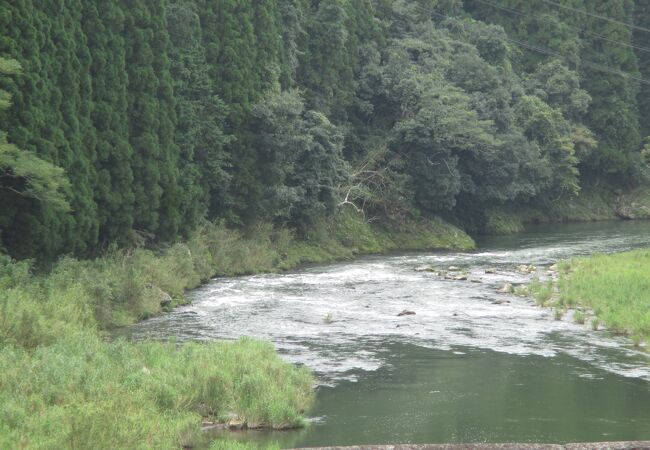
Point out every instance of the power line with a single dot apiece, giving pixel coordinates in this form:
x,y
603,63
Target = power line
x,y
597,16
544,19
548,52
587,64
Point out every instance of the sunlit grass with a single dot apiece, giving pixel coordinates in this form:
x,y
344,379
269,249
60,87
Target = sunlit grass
x,y
616,287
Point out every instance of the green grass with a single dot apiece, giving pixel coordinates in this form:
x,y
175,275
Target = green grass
x,y
610,290
616,287
579,317
83,392
541,292
502,222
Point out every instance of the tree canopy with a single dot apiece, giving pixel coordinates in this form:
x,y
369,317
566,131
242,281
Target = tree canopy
x,y
130,119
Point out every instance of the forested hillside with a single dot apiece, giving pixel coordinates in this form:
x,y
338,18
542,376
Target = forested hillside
x,y
130,121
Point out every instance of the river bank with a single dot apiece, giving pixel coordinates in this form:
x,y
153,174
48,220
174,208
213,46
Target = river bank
x,y
64,381
592,205
65,385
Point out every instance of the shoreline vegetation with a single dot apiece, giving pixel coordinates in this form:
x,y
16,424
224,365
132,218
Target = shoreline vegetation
x,y
66,384
592,205
611,291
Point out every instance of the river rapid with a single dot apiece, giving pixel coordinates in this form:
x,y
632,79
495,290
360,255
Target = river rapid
x,y
471,365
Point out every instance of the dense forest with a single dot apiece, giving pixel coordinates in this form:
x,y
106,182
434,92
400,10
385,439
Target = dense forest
x,y
131,121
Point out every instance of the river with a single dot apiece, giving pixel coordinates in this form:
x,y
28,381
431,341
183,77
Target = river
x,y
463,368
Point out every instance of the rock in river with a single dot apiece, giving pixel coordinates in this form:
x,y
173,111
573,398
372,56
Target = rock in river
x,y
507,288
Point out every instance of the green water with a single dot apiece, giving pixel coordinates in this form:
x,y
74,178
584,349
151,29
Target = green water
x,y
431,396
482,396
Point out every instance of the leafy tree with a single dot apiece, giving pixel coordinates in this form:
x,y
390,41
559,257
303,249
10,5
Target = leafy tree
x,y
641,40
151,120
559,86
301,152
547,128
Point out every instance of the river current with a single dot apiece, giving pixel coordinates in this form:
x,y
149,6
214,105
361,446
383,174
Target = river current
x,y
471,365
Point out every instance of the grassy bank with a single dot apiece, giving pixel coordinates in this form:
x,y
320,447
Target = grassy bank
x,y
609,289
593,204
65,385
129,285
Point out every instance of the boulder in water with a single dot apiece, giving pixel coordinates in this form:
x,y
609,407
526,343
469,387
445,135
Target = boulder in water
x,y
507,288
460,277
523,268
500,302
165,299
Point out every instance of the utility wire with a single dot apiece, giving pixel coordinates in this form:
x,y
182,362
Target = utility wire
x,y
545,19
597,16
548,52
590,65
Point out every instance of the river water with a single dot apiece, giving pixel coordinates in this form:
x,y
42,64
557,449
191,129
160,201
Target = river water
x,y
466,367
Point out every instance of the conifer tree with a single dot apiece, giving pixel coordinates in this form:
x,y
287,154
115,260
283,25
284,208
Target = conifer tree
x,y
103,24
201,115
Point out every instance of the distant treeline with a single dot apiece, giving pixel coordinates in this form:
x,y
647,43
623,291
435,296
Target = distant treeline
x,y
135,120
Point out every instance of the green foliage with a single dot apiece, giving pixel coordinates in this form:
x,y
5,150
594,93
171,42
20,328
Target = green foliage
x,y
642,39
500,222
301,153
201,115
551,133
103,25
136,120
599,50
25,174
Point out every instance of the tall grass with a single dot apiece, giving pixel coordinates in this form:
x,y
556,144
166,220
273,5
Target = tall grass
x,y
82,392
541,292
616,287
